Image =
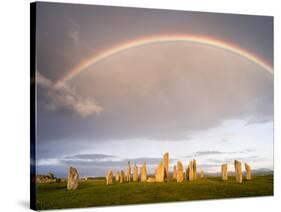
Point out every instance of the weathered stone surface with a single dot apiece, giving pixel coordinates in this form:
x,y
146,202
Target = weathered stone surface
x,y
201,174
194,170
238,171
175,172
224,171
160,172
135,173
190,171
117,176
108,177
187,173
143,172
166,165
248,171
151,180
128,175
179,172
122,176
72,179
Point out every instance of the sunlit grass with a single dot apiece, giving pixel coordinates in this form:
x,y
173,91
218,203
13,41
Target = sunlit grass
x,y
96,193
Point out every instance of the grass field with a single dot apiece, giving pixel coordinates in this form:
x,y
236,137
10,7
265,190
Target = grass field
x,y
96,193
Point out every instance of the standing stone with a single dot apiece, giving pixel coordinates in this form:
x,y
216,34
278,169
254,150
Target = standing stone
x,y
151,180
117,176
224,171
238,171
122,176
248,172
179,172
160,172
201,174
128,176
190,171
72,179
166,165
194,170
175,172
135,173
108,177
143,173
187,173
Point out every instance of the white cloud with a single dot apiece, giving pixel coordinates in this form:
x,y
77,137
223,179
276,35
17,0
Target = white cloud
x,y
63,96
48,162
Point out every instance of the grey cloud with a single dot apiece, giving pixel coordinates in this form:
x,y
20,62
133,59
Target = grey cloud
x,y
253,158
213,152
157,100
90,156
203,153
63,96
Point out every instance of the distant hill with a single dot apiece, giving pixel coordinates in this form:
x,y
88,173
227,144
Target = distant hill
x,y
256,172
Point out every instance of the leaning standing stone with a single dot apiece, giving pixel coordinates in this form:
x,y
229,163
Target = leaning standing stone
x,y
238,171
248,172
179,172
72,179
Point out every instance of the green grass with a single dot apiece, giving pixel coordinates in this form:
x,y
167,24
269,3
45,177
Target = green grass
x,y
96,193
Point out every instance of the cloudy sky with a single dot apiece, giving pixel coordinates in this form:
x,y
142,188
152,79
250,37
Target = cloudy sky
x,y
194,101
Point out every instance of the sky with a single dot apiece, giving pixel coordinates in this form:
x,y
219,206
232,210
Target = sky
x,y
188,99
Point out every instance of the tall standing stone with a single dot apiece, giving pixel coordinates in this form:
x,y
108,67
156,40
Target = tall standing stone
x,y
175,172
72,179
135,173
179,172
122,176
194,170
187,173
190,171
248,172
108,177
143,172
238,171
224,171
117,176
166,165
128,176
201,174
160,172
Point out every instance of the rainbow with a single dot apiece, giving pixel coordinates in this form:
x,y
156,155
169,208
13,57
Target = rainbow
x,y
163,39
